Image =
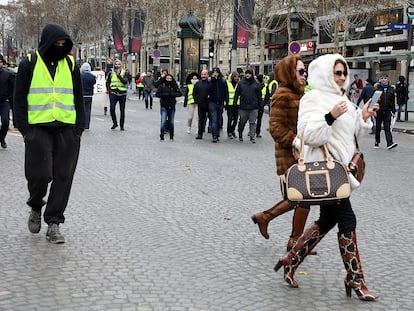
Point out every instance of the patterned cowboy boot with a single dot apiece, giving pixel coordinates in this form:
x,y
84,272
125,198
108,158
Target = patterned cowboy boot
x,y
355,277
300,216
262,219
298,253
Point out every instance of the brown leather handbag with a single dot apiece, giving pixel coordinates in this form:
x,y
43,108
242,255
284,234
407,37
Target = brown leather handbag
x,y
357,164
316,183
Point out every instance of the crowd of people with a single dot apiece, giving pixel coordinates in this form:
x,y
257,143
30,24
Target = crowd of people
x,y
314,102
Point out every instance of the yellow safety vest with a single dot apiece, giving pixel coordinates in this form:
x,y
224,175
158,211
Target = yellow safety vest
x,y
190,98
232,91
116,83
270,86
264,91
51,99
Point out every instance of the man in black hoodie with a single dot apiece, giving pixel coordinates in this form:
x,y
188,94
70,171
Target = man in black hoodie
x,y
49,113
250,94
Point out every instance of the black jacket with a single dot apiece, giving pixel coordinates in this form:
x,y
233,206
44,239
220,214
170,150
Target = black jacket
x,y
6,85
201,93
167,92
219,92
50,34
250,94
387,99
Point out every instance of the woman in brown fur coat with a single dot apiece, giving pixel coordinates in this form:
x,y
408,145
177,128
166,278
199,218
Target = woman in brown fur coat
x,y
291,75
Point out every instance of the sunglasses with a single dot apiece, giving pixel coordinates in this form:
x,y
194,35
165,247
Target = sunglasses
x,y
340,73
302,71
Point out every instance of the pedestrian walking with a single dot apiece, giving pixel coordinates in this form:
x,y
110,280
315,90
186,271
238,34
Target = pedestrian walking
x,y
116,83
341,123
6,99
385,113
149,87
250,94
291,74
189,101
265,101
50,115
219,96
167,92
401,89
232,107
201,95
88,82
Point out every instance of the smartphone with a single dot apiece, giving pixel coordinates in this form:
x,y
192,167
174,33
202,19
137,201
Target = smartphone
x,y
375,98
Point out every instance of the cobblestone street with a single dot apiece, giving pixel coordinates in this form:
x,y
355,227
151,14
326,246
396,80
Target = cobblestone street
x,y
165,226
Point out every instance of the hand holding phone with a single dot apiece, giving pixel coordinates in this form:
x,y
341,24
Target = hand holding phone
x,y
374,99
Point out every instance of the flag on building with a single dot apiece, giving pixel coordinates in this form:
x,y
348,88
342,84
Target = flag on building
x,y
137,31
244,22
117,31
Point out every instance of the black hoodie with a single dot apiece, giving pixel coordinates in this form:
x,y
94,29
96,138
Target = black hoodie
x,y
50,34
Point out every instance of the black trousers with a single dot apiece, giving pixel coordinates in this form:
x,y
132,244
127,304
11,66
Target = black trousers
x,y
203,114
259,120
341,214
51,155
383,117
232,118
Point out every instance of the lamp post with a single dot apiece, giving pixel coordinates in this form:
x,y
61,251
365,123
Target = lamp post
x,y
314,42
190,35
109,42
294,23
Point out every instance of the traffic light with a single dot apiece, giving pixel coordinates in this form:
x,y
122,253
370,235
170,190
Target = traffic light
x,y
211,48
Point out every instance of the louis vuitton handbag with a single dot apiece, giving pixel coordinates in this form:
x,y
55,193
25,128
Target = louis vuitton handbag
x,y
316,183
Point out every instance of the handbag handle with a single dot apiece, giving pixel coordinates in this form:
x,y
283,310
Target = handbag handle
x,y
325,151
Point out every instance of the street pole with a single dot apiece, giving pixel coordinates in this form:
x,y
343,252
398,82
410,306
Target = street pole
x,y
233,57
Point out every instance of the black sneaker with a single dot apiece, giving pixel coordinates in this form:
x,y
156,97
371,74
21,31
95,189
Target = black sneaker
x,y
53,234
376,146
34,222
199,137
3,144
215,139
393,145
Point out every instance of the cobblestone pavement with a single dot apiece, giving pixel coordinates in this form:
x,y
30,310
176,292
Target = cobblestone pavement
x,y
166,226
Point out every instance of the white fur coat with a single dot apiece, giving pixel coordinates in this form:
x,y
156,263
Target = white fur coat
x,y
314,105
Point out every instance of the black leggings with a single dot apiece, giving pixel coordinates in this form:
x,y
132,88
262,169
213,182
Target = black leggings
x,y
341,214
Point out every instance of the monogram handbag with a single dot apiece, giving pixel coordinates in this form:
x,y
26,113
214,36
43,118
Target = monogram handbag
x,y
357,164
316,183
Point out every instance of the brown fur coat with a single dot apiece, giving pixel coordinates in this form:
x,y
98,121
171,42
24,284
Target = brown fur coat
x,y
284,112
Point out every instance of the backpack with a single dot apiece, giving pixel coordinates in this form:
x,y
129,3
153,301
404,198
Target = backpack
x,y
32,57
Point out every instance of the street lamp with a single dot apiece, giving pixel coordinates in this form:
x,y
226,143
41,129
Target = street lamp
x,y
109,42
155,37
314,41
294,23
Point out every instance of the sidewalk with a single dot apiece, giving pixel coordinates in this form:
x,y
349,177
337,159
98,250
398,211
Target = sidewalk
x,y
406,126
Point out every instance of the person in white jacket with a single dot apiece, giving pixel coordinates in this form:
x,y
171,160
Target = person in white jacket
x,y
326,116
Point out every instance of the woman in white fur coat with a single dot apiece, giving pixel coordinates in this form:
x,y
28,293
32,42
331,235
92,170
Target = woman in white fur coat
x,y
328,117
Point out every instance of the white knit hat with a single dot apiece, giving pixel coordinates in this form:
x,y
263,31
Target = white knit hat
x,y
85,67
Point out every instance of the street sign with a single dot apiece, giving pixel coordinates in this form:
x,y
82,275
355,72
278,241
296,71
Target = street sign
x,y
394,26
156,53
157,62
309,46
294,47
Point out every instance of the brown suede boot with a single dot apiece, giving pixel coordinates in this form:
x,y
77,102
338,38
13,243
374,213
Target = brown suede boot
x,y
354,277
298,253
298,224
262,219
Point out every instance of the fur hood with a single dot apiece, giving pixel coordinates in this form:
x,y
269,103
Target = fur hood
x,y
321,74
285,74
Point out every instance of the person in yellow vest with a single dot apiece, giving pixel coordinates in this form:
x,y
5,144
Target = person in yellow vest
x,y
49,113
189,102
265,101
232,108
117,84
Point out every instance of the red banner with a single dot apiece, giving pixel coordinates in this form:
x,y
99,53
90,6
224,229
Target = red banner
x,y
244,22
117,31
137,31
